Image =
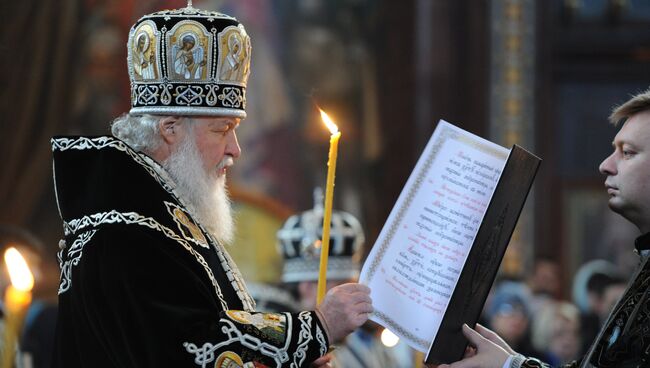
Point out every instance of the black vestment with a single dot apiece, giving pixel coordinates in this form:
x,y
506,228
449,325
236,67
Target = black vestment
x,y
144,285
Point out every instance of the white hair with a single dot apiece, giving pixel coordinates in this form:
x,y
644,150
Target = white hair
x,y
140,132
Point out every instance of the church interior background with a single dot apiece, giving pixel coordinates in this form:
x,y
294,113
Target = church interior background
x,y
541,74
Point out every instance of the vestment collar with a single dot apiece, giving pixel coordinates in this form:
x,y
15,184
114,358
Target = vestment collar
x,y
642,245
642,242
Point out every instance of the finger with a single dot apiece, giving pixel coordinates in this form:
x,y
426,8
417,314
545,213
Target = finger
x,y
474,337
356,298
322,360
359,297
469,352
486,332
355,287
360,319
363,306
494,337
362,296
481,329
364,288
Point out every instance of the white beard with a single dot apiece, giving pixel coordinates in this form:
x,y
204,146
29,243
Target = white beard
x,y
204,192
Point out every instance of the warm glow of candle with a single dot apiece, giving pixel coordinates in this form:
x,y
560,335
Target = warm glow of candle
x,y
19,273
327,208
18,296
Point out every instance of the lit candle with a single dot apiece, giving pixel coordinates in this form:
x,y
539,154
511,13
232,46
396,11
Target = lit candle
x,y
17,299
327,210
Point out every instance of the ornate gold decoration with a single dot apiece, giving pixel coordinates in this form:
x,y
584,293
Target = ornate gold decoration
x,y
194,230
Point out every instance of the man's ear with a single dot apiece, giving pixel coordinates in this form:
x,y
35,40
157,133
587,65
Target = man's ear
x,y
169,129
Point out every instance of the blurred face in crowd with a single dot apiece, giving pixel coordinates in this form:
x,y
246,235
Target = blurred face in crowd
x,y
545,279
628,171
510,322
565,339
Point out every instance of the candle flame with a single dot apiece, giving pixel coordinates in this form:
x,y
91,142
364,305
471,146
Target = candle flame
x,y
328,122
21,277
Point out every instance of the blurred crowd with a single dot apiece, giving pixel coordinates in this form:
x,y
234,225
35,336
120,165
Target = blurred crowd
x,y
535,319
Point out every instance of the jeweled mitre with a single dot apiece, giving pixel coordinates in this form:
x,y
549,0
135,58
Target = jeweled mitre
x,y
188,62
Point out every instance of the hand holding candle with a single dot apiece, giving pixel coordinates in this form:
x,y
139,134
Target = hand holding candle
x,y
327,209
17,299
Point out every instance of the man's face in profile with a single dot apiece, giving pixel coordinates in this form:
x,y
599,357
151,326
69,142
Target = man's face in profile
x,y
628,170
216,139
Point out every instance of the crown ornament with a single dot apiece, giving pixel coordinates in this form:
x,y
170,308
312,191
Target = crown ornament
x,y
188,62
299,241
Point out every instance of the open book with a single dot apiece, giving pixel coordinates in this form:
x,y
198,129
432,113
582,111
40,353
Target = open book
x,y
436,258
